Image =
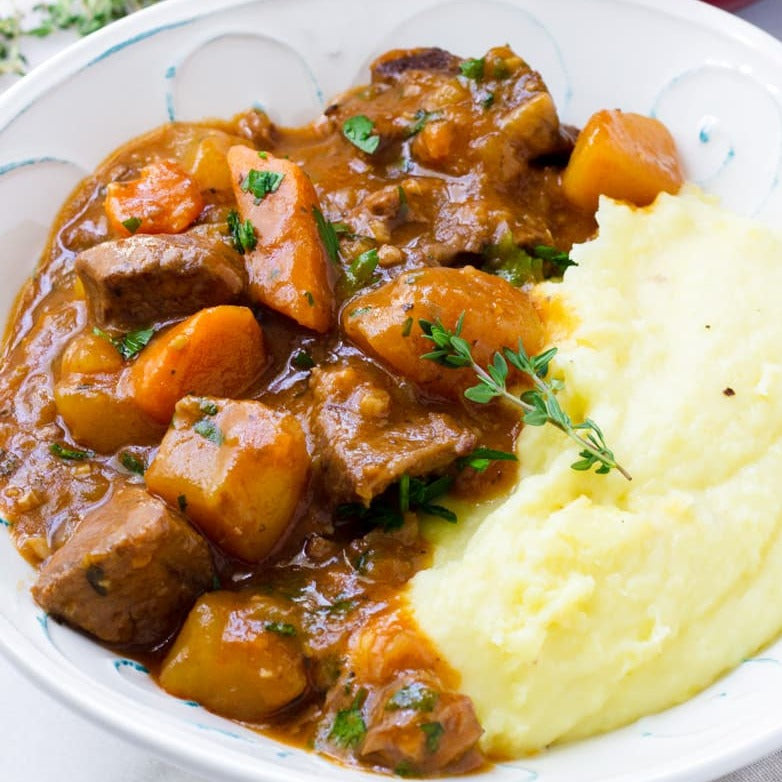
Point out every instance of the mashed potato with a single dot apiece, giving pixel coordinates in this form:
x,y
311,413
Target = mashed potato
x,y
582,601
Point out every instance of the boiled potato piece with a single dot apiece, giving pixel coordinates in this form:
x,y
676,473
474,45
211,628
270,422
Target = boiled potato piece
x,y
237,655
95,401
496,315
205,160
238,470
626,156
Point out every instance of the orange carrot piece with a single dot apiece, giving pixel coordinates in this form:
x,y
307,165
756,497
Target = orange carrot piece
x,y
218,352
164,199
289,269
625,156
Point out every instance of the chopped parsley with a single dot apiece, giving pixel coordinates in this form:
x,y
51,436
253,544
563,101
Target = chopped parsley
x,y
481,458
70,454
420,118
302,360
415,696
558,258
281,628
132,224
209,431
132,463
349,728
473,68
358,131
208,407
261,183
242,233
181,500
407,327
359,311
310,298
362,270
328,234
130,344
434,732
488,100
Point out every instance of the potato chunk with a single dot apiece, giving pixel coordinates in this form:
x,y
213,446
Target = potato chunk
x,y
94,400
237,655
385,322
626,156
237,468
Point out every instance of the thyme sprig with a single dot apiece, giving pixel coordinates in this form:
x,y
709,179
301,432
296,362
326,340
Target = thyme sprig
x,y
539,404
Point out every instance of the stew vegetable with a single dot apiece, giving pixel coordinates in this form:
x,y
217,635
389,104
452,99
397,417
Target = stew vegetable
x,y
223,412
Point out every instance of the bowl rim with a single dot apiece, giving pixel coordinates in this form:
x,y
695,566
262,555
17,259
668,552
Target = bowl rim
x,y
95,702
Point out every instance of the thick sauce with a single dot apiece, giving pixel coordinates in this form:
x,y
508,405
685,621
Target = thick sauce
x,y
463,165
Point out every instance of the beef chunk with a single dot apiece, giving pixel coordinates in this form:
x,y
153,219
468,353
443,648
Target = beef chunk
x,y
128,574
415,726
366,441
391,65
136,281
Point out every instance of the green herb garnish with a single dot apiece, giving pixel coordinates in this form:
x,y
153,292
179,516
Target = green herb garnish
x,y
434,732
242,233
481,458
328,234
302,360
208,407
349,727
209,430
310,298
261,183
181,500
281,628
132,463
130,344
132,224
407,327
561,260
539,405
488,100
415,696
70,454
421,117
362,270
473,68
358,131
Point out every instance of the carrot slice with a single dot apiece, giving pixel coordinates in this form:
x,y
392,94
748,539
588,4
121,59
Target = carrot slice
x,y
289,268
164,199
218,351
625,156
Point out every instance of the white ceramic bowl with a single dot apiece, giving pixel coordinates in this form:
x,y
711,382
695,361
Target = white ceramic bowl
x,y
712,78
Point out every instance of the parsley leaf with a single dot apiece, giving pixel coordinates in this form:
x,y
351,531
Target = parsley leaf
x,y
130,344
358,131
473,68
481,458
414,696
242,233
132,463
328,234
261,183
301,359
560,260
132,224
281,628
421,117
349,728
209,431
434,732
70,454
362,270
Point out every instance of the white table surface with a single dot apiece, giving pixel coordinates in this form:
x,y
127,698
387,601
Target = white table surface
x,y
42,741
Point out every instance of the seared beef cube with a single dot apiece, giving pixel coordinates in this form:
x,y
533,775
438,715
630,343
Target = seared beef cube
x,y
415,726
129,573
136,281
389,66
366,441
